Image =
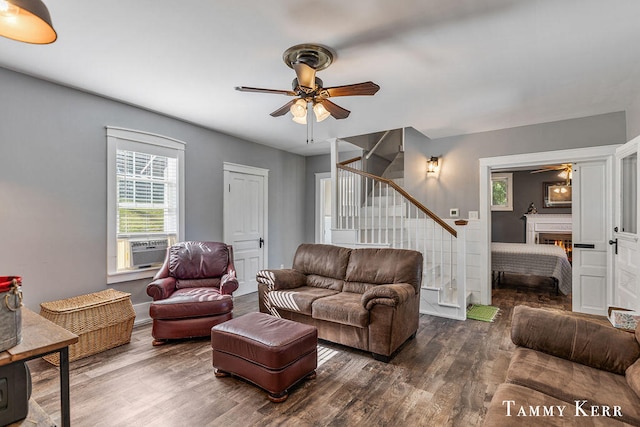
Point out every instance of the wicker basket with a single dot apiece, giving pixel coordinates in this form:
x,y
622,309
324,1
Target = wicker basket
x,y
102,320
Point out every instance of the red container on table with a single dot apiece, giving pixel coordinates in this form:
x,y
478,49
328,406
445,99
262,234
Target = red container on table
x,y
10,311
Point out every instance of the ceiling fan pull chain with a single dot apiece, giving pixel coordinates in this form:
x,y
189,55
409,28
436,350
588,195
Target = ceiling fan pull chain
x,y
309,125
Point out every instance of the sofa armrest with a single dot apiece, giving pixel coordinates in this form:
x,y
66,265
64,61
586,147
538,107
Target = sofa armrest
x,y
161,288
391,295
575,339
281,279
229,283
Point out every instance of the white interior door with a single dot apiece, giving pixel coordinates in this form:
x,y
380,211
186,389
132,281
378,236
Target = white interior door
x,y
591,203
625,232
245,219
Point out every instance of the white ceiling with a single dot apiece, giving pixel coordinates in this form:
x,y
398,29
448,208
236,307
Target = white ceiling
x,y
445,67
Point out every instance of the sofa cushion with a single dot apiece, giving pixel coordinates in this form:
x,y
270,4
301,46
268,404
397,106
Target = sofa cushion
x,y
325,282
383,266
571,382
344,308
322,260
633,377
211,282
592,344
198,260
509,400
191,303
298,300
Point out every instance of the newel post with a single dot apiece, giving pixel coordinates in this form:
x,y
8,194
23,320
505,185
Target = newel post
x,y
461,253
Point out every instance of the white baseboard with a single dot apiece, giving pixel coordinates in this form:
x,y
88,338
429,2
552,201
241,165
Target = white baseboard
x,y
142,313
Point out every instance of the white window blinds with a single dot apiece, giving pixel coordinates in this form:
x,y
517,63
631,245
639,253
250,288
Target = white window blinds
x,y
147,193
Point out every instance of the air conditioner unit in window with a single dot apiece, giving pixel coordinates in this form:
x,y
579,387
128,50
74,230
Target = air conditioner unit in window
x,y
146,253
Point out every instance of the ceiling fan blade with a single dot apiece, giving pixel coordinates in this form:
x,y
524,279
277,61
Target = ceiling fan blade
x,y
284,109
542,170
306,76
550,168
335,110
366,88
261,90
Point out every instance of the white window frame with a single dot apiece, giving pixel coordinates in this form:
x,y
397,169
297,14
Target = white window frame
x,y
503,177
147,143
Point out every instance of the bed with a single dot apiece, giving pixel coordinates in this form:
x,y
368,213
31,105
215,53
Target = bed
x,y
538,260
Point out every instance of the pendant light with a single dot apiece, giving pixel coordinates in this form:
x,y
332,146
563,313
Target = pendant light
x,y
26,21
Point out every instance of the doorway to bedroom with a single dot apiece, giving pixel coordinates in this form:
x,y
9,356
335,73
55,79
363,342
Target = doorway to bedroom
x,y
591,215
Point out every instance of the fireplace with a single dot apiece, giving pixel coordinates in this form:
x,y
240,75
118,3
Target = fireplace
x,y
559,239
550,229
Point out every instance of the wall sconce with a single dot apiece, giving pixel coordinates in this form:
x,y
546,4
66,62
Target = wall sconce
x,y
432,164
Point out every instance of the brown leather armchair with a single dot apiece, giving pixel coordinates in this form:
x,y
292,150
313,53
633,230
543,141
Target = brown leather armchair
x,y
192,290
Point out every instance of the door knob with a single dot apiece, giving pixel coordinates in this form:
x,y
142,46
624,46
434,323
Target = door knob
x,y
614,242
261,241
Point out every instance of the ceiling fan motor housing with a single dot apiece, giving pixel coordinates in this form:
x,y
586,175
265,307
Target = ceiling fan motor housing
x,y
295,84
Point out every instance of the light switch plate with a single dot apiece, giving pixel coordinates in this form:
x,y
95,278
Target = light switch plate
x,y
473,214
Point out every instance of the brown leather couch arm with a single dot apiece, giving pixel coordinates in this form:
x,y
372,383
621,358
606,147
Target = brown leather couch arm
x,y
229,283
281,279
161,288
391,295
575,339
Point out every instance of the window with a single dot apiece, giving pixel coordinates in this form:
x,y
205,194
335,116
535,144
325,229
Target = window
x,y
501,192
629,199
145,201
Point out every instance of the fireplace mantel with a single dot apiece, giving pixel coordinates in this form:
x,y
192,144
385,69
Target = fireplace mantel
x,y
547,223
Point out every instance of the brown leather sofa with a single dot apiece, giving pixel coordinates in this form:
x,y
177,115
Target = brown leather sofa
x,y
566,371
363,298
192,290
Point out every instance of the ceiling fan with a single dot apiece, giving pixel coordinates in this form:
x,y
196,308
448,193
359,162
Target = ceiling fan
x,y
565,168
308,90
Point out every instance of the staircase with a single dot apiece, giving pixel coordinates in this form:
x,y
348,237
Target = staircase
x,y
375,211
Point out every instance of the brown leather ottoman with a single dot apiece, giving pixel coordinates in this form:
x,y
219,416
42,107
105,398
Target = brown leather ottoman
x,y
270,352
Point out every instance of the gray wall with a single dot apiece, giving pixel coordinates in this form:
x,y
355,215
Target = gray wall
x,y
53,186
633,119
457,183
510,226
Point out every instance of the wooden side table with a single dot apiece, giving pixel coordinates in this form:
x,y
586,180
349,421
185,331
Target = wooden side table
x,y
39,338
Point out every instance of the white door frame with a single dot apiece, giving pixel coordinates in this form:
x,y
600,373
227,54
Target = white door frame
x,y
250,170
320,204
605,152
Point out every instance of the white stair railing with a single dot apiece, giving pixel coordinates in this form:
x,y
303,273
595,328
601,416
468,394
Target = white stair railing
x,y
381,213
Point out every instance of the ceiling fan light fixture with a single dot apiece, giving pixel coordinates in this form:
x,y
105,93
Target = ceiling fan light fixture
x,y
26,21
566,174
299,108
300,120
320,112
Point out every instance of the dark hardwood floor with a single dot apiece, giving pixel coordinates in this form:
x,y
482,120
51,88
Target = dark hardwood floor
x,y
445,376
